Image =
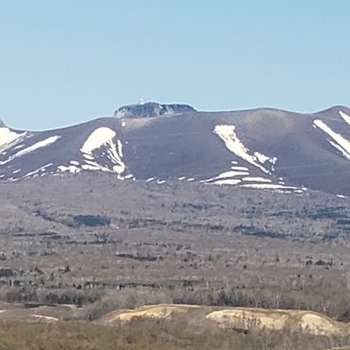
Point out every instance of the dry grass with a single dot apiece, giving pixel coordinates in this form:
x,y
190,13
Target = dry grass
x,y
145,335
14,336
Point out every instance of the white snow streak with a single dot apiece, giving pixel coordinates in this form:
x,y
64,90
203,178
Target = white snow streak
x,y
19,146
339,142
227,182
35,172
225,175
345,117
241,168
32,148
40,144
31,173
268,186
256,179
88,156
234,144
74,162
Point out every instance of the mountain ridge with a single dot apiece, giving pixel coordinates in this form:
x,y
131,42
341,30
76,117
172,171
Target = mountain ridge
x,y
332,109
264,148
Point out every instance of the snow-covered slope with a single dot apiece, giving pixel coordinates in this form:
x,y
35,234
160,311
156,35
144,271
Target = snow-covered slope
x,y
26,155
262,149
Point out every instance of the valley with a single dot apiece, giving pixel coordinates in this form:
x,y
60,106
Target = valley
x,y
98,245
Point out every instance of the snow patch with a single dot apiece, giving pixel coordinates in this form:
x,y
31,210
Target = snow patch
x,y
227,182
236,146
345,117
97,139
256,179
19,146
50,140
225,175
70,168
261,157
269,186
339,142
120,148
88,156
34,173
90,167
74,162
103,137
243,168
46,166
7,136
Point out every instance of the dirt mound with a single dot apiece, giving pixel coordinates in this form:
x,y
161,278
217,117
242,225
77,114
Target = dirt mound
x,y
152,311
257,319
237,318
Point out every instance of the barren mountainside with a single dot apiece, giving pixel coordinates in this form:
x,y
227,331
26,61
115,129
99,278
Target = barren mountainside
x,y
260,149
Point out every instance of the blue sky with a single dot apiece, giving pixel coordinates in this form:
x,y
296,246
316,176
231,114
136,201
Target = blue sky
x,y
68,61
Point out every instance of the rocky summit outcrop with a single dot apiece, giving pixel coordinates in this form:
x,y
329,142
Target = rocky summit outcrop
x,y
151,110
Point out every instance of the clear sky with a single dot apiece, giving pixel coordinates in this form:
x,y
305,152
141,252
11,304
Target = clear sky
x,y
67,61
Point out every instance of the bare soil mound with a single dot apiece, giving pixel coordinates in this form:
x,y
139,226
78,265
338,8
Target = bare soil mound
x,y
246,319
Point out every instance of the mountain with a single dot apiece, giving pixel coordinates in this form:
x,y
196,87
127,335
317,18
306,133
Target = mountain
x,y
260,148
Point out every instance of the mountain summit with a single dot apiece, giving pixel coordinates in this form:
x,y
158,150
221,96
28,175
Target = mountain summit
x,y
151,110
266,149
